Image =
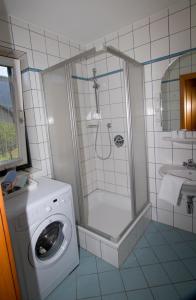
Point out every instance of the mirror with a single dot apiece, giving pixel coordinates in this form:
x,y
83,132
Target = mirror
x,y
178,94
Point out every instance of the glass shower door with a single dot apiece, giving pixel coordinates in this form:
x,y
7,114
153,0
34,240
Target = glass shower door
x,y
136,127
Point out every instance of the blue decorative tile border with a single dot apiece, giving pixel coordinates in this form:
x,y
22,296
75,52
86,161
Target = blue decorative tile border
x,y
168,56
120,70
31,70
170,80
98,76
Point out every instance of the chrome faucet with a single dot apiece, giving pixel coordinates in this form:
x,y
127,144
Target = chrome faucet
x,y
190,164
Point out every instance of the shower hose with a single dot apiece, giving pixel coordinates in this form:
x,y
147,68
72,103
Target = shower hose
x,y
110,141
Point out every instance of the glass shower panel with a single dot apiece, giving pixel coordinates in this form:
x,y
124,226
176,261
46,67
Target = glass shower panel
x,y
97,134
61,131
106,202
138,157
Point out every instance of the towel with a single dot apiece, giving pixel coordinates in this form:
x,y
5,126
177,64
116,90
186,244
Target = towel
x,y
170,190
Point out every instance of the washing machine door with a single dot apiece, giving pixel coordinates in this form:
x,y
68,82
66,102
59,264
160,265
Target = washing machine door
x,y
50,240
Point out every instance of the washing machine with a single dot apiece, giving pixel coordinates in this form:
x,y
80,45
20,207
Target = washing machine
x,y
43,234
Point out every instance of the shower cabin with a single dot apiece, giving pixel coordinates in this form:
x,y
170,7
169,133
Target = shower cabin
x,y
95,109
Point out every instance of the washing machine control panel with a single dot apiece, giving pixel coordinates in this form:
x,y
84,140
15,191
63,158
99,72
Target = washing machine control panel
x,y
57,204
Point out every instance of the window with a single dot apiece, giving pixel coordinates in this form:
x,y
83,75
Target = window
x,y
12,127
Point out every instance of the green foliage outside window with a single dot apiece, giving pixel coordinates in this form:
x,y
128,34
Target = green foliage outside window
x,y
8,141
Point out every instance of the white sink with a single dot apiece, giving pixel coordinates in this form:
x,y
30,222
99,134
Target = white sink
x,y
180,171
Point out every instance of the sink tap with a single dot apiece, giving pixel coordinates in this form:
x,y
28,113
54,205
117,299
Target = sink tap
x,y
190,164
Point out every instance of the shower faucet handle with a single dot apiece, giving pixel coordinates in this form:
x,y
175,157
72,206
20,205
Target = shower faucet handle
x,y
109,125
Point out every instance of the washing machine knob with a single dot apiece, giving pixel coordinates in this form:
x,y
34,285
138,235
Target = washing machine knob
x,y
48,208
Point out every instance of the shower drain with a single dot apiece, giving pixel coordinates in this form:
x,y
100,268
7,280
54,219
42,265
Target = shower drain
x,y
118,140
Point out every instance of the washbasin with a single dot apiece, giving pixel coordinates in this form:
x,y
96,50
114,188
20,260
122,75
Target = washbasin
x,y
180,171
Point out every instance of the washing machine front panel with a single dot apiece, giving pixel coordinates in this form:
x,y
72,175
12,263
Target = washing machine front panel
x,y
49,241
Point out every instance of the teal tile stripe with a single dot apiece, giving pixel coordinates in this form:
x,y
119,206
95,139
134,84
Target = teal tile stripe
x,y
98,76
170,80
168,56
31,70
80,78
107,74
120,70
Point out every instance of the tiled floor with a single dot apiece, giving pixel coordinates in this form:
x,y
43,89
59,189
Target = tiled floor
x,y
162,266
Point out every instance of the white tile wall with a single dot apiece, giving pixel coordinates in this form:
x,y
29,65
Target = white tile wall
x,y
146,39
166,33
42,49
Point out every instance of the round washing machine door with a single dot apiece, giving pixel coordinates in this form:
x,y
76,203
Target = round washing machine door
x,y
50,240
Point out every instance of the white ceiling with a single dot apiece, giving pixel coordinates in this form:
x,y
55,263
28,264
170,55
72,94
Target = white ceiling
x,y
83,20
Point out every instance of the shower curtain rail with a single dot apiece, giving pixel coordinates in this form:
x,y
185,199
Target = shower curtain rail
x,y
90,53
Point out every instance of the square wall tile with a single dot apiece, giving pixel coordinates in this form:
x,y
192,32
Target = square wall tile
x,y
109,254
193,14
154,214
159,68
40,60
141,36
159,29
183,222
93,245
64,50
164,205
164,216
179,21
38,42
141,23
180,41
193,37
5,33
82,238
163,155
52,47
159,15
160,48
142,53
126,41
180,5
21,37
181,155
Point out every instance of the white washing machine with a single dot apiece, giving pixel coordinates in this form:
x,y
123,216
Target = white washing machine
x,y
43,233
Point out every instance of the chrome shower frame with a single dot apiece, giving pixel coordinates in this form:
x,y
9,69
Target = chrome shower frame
x,y
78,58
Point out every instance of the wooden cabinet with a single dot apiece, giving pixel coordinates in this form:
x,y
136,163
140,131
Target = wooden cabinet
x,y
9,288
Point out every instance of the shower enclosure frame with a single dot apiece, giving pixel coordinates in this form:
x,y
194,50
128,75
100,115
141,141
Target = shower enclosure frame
x,y
69,87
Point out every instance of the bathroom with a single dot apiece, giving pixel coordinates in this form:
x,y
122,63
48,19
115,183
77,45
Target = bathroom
x,y
97,117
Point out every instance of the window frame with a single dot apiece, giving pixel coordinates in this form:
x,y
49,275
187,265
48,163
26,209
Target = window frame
x,y
19,113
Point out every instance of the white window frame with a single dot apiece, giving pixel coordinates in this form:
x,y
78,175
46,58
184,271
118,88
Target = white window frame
x,y
19,110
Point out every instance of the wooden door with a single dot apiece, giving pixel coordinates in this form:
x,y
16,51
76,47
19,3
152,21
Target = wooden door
x,y
9,288
188,101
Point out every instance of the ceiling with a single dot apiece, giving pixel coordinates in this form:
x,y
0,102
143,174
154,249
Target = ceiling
x,y
83,20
